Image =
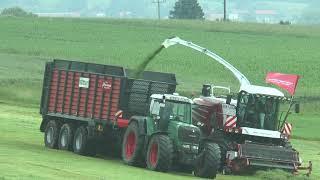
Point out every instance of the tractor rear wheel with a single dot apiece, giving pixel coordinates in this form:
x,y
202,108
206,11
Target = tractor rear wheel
x,y
208,162
159,153
132,145
66,137
80,141
51,134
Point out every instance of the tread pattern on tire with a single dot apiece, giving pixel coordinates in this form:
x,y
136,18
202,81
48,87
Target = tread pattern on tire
x,y
56,129
70,136
137,157
211,161
84,144
224,143
165,153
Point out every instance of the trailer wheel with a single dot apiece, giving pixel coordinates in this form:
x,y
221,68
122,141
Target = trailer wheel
x,y
80,141
132,145
51,134
208,161
65,141
160,153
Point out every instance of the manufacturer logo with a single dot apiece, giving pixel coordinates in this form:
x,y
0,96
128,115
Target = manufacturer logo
x,y
84,82
106,85
286,83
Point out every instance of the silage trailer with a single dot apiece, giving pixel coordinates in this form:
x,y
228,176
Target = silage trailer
x,y
89,100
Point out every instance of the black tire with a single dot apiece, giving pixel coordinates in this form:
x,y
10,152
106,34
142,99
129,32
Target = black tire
x,y
288,145
208,161
159,153
224,144
186,169
80,142
51,134
91,149
132,146
65,141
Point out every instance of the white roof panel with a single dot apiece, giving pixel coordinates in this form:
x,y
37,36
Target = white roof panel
x,y
252,89
172,97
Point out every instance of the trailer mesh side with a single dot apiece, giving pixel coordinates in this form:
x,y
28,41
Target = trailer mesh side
x,y
139,92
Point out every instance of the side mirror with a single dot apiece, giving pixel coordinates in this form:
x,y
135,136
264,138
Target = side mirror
x,y
163,100
229,97
297,108
206,90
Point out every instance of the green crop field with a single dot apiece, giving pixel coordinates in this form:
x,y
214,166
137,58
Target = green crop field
x,y
26,44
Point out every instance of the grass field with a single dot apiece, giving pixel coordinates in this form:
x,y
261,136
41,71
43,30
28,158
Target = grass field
x,y
26,44
23,155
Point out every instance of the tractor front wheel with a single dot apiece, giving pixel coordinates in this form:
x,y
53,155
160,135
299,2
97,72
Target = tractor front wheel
x,y
160,153
208,161
132,145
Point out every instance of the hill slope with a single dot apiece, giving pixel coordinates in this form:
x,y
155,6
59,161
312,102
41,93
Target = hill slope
x,y
253,49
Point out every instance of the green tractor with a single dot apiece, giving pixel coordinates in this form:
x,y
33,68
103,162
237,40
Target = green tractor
x,y
166,139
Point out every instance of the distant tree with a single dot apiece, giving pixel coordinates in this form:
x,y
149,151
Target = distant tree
x,y
187,9
16,11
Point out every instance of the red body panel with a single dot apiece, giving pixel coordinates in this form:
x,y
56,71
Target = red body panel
x,y
99,101
206,112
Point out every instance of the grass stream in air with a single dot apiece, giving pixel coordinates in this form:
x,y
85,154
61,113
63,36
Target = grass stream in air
x,y
141,67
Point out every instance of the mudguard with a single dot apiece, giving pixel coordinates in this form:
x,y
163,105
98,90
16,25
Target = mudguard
x,y
141,123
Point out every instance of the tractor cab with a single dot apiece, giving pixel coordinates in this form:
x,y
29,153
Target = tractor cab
x,y
166,108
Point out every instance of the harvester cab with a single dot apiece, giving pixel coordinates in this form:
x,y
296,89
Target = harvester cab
x,y
258,107
247,128
166,138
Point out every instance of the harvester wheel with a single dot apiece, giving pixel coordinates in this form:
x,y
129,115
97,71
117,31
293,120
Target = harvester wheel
x,y
80,141
288,145
160,153
132,146
66,137
51,134
208,161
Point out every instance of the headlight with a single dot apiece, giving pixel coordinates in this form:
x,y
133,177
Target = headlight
x,y
195,147
186,146
284,136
